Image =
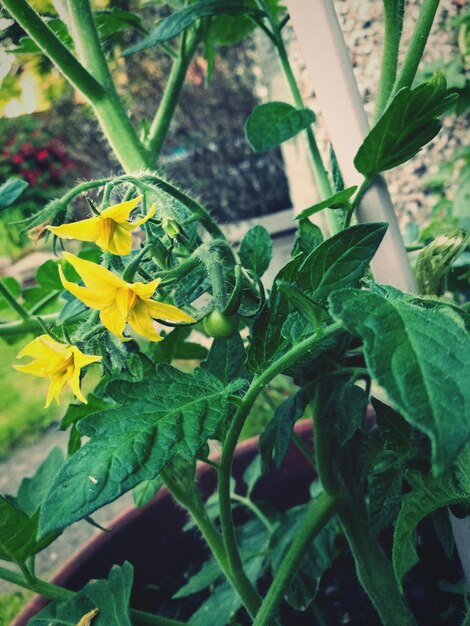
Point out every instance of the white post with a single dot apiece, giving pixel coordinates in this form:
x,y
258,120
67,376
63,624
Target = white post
x,y
327,60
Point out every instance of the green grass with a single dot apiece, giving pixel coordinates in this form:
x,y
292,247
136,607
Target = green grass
x,y
11,604
22,413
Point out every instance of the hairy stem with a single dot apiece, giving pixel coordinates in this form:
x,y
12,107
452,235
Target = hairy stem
x,y
417,44
318,167
109,110
258,384
16,306
320,511
166,109
196,508
393,22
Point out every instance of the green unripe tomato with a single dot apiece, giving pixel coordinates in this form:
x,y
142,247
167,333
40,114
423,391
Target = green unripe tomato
x,y
219,325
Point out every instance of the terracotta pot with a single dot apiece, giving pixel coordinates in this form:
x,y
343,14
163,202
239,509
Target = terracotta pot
x,y
151,538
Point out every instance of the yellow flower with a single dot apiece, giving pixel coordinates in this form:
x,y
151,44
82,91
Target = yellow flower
x,y
110,230
59,362
119,302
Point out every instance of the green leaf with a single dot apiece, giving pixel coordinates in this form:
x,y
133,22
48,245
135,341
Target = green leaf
x,y
112,21
340,200
171,414
191,286
76,412
256,250
409,123
179,21
17,533
307,237
48,277
111,597
147,490
427,495
318,556
226,359
209,573
274,441
269,125
267,341
420,357
228,30
10,191
33,490
340,261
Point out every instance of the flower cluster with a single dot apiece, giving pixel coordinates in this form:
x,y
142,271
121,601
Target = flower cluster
x,y
118,302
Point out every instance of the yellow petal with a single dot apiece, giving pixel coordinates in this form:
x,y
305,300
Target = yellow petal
x,y
35,368
82,360
113,320
142,220
56,386
83,230
94,276
140,321
94,300
120,212
168,312
145,290
38,347
121,241
74,384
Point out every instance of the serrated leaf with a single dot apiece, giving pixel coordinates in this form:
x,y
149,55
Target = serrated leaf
x,y
339,200
340,261
226,359
317,559
307,237
269,125
420,357
171,414
256,250
179,21
10,191
427,495
32,490
274,441
110,596
409,123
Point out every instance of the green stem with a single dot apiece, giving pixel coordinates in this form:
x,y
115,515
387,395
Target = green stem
x,y
320,511
54,49
16,306
357,198
417,44
54,592
31,325
254,509
166,109
233,434
319,171
393,25
374,570
109,109
195,506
